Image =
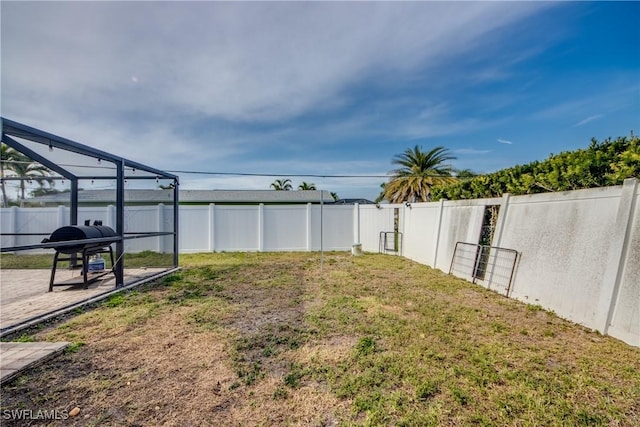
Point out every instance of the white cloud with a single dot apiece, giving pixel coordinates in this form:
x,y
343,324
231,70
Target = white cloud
x,y
504,141
247,61
130,77
588,119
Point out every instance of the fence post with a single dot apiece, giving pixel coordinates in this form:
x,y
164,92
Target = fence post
x,y
13,225
436,241
160,217
309,227
61,217
502,217
261,227
356,223
615,262
111,215
212,227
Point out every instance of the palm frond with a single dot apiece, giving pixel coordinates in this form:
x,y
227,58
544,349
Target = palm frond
x,y
418,173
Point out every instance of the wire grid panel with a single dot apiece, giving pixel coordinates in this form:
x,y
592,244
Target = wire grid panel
x,y
495,268
490,266
464,260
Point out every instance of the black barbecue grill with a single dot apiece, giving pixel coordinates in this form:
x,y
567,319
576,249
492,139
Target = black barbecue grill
x,y
78,233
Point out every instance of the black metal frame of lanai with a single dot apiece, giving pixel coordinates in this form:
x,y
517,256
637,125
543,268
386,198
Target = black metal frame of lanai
x,y
124,169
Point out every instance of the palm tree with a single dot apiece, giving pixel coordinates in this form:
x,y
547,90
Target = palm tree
x,y
419,172
6,155
305,186
282,184
22,166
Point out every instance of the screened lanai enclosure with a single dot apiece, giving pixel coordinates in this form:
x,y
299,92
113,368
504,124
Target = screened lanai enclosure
x,y
72,229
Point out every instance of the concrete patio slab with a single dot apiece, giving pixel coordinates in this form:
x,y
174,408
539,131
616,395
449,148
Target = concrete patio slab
x,y
17,357
24,293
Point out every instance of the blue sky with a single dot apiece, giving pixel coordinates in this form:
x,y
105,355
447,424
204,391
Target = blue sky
x,y
321,87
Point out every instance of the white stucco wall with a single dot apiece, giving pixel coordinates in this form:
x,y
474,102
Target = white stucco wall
x,y
563,239
461,222
625,318
579,251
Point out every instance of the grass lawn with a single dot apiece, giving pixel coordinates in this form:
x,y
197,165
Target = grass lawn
x,y
141,259
271,339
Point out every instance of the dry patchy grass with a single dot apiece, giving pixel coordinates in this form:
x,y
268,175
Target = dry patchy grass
x,y
270,339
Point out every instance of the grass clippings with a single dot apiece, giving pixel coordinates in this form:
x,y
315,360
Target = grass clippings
x,y
271,339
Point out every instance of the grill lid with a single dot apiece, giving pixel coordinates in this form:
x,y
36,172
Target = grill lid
x,y
79,232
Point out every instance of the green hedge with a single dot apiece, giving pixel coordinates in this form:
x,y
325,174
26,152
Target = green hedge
x,y
601,164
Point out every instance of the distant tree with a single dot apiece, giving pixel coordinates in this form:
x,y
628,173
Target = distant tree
x,y
465,173
419,172
335,196
282,184
305,186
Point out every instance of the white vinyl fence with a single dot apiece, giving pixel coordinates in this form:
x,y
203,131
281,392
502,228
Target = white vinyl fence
x,y
203,228
579,251
217,228
37,223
